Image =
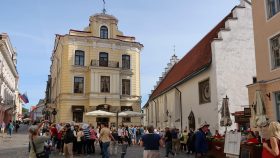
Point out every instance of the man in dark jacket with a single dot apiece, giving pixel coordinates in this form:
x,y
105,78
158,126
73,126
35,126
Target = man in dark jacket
x,y
68,141
201,145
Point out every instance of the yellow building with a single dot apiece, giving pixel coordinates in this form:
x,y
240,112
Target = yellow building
x,y
266,20
97,68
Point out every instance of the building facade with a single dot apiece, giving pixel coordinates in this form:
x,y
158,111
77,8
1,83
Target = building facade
x,y
95,69
8,79
220,65
266,20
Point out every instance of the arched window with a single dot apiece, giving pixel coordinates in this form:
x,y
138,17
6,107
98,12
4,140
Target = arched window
x,y
191,119
103,32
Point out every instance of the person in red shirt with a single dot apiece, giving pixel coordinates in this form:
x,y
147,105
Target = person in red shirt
x,y
251,138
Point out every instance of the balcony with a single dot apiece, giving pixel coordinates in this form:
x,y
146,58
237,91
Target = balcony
x,y
98,63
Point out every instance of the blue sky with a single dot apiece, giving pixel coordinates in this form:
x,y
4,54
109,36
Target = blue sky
x,y
157,24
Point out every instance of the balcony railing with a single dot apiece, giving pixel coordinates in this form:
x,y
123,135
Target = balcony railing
x,y
98,63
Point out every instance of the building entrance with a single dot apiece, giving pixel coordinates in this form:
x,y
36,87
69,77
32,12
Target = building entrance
x,y
100,120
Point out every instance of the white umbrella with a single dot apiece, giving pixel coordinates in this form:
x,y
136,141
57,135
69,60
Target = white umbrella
x,y
100,113
261,119
130,114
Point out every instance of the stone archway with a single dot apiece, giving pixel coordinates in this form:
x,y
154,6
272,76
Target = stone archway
x,y
191,119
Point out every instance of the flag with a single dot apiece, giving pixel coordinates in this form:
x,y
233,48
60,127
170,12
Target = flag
x,y
24,98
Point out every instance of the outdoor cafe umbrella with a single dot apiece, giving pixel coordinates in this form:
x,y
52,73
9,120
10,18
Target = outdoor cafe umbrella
x,y
100,113
260,119
225,114
130,114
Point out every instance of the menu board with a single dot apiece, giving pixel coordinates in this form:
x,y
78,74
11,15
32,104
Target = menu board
x,y
232,143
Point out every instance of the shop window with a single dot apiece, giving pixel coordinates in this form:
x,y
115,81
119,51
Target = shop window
x,y
126,119
126,108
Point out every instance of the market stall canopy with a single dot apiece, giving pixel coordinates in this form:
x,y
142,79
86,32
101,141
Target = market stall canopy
x,y
130,114
100,113
260,119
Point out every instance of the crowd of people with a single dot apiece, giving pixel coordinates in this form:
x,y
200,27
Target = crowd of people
x,y
73,139
10,127
70,139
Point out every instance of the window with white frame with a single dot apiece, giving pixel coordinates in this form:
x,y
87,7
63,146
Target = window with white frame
x,y
79,57
273,7
275,51
105,84
78,84
103,32
126,87
277,103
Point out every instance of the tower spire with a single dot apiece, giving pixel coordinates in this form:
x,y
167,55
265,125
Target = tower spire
x,y
104,7
174,50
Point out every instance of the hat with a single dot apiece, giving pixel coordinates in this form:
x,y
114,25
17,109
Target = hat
x,y
204,124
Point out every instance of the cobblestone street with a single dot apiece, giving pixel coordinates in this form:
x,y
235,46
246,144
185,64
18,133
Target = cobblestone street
x,y
17,147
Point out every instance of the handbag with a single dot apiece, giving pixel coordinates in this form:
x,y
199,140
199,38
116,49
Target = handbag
x,y
42,154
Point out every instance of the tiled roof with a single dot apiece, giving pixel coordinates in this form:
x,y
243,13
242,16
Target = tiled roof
x,y
198,58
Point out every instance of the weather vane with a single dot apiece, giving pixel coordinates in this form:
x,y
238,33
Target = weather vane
x,y
104,9
174,48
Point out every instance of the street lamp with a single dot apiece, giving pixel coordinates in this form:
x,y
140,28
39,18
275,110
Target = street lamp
x,y
54,112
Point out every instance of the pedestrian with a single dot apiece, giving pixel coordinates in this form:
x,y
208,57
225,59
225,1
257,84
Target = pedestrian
x,y
168,142
175,139
3,126
190,141
17,126
151,143
183,140
68,141
48,145
201,144
271,147
37,142
87,144
93,137
114,144
10,128
105,138
124,145
79,137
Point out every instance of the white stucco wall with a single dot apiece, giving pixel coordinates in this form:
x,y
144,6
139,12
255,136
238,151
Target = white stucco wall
x,y
233,60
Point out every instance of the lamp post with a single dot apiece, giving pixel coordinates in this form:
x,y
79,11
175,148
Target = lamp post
x,y
54,112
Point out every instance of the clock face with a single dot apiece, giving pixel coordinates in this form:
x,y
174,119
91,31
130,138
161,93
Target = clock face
x,y
204,92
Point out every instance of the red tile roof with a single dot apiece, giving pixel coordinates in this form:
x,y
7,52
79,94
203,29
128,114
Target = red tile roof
x,y
198,58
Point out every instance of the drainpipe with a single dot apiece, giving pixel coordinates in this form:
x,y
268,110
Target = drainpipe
x,y
181,108
155,112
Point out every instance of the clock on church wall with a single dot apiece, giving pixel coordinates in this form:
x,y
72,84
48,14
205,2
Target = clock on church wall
x,y
204,92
